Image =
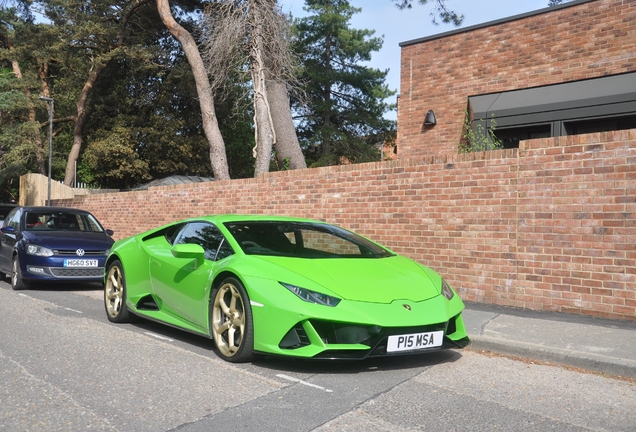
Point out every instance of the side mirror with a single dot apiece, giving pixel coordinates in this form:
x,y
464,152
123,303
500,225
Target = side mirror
x,y
189,251
110,232
8,230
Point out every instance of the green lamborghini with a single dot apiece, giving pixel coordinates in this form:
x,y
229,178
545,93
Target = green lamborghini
x,y
282,286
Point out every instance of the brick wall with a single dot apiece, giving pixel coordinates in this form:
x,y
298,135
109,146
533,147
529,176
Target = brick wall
x,y
587,40
548,226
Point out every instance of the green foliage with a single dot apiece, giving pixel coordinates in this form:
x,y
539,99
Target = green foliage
x,y
344,120
85,174
11,98
237,128
143,118
114,162
477,138
144,103
10,182
439,10
20,138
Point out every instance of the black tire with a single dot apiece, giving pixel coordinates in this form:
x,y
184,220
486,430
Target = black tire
x,y
17,283
231,324
115,294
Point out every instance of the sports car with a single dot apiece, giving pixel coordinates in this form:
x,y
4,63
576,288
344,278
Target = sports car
x,y
282,286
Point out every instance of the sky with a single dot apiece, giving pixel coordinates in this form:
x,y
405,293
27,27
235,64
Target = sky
x,y
398,26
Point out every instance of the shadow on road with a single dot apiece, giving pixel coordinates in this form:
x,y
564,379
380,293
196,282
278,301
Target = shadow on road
x,y
275,363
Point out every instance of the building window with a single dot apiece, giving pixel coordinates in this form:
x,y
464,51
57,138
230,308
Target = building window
x,y
510,137
599,125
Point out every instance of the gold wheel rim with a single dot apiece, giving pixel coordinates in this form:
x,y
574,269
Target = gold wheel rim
x,y
114,291
228,320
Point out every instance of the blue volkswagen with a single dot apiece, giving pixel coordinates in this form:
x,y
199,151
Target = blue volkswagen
x,y
52,244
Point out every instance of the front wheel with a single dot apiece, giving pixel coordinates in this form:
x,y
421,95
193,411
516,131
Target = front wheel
x,y
115,294
17,283
231,321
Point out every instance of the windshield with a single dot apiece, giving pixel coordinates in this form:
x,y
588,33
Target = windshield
x,y
302,240
61,221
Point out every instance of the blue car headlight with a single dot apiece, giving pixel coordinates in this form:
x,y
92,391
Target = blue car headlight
x,y
447,291
38,250
312,296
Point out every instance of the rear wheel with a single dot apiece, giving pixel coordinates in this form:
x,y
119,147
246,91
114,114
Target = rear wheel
x,y
17,283
231,317
115,294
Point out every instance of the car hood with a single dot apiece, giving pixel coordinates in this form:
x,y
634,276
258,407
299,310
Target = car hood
x,y
69,239
380,280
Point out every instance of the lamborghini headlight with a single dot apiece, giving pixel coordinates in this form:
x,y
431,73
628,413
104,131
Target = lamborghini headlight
x,y
447,291
312,296
38,250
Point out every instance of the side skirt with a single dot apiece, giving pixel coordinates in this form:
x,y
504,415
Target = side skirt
x,y
175,326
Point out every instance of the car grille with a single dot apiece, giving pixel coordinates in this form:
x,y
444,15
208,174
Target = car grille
x,y
77,272
73,252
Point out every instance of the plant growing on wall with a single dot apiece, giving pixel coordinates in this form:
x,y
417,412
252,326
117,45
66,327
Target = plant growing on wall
x,y
478,138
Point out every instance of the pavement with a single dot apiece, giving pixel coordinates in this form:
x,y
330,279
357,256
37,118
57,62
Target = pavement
x,y
595,344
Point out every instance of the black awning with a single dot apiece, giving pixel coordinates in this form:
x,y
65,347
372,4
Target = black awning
x,y
593,98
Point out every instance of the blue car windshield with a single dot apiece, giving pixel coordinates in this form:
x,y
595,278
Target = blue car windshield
x,y
61,221
302,240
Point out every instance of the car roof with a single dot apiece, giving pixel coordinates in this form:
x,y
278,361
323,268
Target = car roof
x,y
53,209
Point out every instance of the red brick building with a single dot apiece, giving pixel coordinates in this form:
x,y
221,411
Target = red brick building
x,y
557,71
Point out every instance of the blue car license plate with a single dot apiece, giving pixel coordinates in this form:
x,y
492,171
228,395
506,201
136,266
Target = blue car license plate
x,y
80,263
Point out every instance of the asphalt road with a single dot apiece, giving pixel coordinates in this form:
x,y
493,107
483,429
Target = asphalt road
x,y
64,367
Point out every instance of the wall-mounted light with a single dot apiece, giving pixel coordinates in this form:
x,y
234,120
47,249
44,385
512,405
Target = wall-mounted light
x,y
430,119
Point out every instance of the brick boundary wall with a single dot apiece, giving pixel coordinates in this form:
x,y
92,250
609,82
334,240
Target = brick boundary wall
x,y
548,226
582,41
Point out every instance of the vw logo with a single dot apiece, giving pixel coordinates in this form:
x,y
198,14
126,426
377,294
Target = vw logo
x,y
407,307
80,252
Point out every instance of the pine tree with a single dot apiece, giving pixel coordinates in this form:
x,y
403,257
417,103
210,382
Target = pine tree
x,y
344,120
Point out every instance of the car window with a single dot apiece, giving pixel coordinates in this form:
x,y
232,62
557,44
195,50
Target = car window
x,y
5,209
207,236
172,233
302,240
43,220
12,219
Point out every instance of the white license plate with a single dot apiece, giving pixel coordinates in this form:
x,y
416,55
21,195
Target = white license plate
x,y
415,341
80,263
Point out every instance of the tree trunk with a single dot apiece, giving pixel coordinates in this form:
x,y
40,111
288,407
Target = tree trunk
x,y
287,146
263,125
218,157
69,175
